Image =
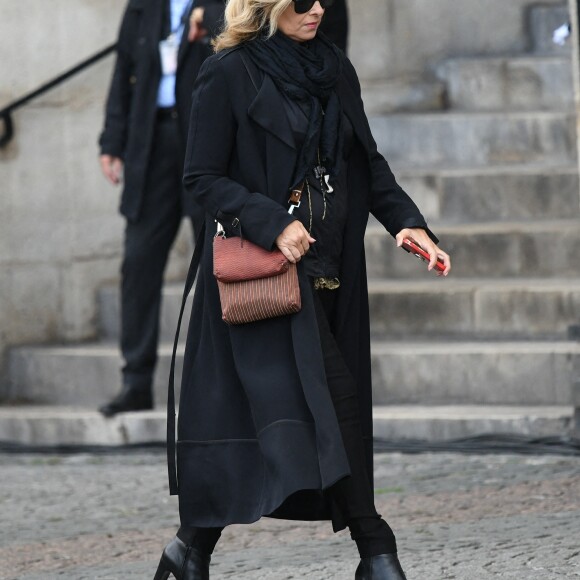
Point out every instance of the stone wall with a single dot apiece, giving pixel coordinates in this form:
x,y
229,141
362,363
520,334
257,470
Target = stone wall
x,y
60,235
396,44
402,38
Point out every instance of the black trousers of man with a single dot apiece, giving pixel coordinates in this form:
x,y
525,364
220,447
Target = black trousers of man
x,y
353,495
147,245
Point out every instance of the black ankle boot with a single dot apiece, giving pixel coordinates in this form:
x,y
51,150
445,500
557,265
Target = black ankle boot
x,y
184,562
129,399
383,567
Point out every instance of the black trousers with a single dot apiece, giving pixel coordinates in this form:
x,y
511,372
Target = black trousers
x,y
146,249
353,495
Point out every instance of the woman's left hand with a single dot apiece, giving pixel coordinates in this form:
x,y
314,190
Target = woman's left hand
x,y
420,236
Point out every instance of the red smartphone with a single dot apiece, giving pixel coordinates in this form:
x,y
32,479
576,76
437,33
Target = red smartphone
x,y
414,248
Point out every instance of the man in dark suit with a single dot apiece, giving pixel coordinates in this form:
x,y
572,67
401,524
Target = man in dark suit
x,y
335,24
162,44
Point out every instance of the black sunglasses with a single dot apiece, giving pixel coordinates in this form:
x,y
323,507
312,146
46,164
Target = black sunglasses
x,y
303,6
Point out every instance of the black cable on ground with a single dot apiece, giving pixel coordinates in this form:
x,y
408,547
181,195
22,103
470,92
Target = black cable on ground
x,y
21,448
482,444
479,444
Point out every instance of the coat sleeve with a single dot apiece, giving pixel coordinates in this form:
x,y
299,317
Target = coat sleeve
x,y
388,202
114,135
211,146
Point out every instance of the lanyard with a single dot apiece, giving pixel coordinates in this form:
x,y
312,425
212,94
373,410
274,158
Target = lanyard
x,y
178,30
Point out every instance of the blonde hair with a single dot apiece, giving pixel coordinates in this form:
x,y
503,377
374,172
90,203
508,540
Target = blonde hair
x,y
246,19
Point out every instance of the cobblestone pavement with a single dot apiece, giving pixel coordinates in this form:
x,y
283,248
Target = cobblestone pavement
x,y
455,516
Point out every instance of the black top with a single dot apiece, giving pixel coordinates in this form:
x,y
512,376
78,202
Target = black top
x,y
324,215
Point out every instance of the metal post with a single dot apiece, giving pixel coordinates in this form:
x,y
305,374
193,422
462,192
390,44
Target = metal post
x,y
575,428
574,331
574,7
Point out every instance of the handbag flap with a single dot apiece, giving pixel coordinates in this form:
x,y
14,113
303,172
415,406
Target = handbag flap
x,y
236,260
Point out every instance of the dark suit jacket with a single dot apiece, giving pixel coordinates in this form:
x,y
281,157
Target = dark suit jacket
x,y
132,102
335,24
256,421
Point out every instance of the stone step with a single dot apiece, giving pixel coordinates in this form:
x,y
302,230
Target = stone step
x,y
412,372
49,426
520,192
474,309
476,139
518,84
489,373
110,312
86,375
546,252
403,95
65,426
441,423
542,249
454,307
542,21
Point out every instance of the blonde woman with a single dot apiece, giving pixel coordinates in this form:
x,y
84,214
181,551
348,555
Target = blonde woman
x,y
275,416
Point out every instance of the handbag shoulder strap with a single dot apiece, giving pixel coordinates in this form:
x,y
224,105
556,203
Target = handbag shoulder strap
x,y
171,444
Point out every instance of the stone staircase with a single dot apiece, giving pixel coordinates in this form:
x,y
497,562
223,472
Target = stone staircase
x,y
486,350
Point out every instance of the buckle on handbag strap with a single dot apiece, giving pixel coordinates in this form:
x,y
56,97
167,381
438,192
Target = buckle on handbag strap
x,y
292,207
295,196
220,232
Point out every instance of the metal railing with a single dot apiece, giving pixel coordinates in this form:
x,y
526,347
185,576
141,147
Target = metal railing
x,y
6,112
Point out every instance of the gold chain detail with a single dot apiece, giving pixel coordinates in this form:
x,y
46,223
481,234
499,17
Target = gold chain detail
x,y
322,186
309,208
326,283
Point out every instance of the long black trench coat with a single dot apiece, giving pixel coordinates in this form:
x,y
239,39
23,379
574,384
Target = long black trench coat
x,y
257,431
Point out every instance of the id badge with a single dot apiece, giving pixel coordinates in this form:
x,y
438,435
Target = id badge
x,y
168,49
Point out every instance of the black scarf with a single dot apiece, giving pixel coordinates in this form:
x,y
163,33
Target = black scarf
x,y
307,73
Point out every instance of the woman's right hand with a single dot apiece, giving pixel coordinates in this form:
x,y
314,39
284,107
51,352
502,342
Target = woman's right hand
x,y
294,241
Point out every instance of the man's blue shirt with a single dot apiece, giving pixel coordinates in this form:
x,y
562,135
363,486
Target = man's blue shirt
x,y
166,93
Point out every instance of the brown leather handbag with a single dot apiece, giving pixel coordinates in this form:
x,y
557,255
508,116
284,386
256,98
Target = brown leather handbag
x,y
253,283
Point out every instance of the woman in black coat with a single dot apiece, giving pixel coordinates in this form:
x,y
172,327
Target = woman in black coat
x,y
276,416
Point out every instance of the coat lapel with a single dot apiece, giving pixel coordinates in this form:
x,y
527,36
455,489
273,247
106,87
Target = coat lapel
x,y
268,110
281,150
